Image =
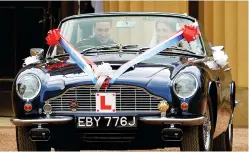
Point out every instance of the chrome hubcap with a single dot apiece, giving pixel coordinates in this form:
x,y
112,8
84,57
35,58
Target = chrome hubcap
x,y
230,130
207,130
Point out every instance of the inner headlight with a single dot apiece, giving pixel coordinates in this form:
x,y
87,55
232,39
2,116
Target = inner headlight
x,y
28,86
185,85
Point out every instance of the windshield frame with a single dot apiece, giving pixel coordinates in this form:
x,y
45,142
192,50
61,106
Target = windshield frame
x,y
120,14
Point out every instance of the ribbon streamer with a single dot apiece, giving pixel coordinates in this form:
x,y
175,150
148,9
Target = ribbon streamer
x,y
54,38
100,82
188,32
148,54
77,57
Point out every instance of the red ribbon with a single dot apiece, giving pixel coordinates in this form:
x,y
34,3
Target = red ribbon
x,y
53,37
190,33
106,83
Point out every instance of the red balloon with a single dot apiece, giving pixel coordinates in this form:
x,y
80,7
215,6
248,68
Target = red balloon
x,y
190,33
53,37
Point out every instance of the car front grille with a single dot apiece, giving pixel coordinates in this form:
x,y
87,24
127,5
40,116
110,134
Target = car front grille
x,y
128,99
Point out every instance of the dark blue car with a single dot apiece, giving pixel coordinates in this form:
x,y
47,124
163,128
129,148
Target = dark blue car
x,y
129,79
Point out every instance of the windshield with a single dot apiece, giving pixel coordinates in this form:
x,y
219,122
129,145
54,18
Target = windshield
x,y
143,31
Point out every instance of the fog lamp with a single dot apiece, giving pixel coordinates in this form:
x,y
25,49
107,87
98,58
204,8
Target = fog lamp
x,y
47,108
163,106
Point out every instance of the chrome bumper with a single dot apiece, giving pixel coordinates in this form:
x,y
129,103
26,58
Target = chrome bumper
x,y
42,120
148,120
183,121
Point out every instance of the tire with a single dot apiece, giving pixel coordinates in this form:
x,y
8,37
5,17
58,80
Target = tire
x,y
24,143
224,142
190,140
194,138
229,140
219,143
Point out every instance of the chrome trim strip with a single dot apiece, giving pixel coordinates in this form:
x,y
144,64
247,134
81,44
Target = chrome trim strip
x,y
227,69
115,113
7,80
42,120
186,121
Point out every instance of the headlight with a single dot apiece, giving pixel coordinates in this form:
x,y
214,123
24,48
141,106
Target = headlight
x,y
28,86
185,85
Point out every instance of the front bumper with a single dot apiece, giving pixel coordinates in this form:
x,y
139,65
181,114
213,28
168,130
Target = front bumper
x,y
182,121
41,120
154,120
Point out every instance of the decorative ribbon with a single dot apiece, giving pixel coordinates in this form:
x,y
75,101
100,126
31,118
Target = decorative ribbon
x,y
188,32
99,78
54,38
103,72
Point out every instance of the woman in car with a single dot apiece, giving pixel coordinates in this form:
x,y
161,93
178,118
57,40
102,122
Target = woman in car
x,y
163,30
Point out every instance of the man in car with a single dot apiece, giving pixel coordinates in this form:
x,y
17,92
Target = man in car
x,y
101,34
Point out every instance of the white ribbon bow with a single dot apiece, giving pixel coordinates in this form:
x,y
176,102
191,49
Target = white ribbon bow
x,y
104,70
219,56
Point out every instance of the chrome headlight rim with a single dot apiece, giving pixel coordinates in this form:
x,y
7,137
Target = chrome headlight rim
x,y
39,88
193,92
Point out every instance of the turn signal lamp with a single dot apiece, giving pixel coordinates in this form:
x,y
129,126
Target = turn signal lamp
x,y
184,106
27,107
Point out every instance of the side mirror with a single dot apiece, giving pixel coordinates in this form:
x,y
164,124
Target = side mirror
x,y
37,52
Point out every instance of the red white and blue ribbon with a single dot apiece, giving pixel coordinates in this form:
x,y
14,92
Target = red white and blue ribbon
x,y
54,37
189,33
149,53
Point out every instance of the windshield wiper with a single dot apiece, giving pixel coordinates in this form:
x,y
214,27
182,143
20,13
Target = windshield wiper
x,y
120,47
180,49
174,51
120,51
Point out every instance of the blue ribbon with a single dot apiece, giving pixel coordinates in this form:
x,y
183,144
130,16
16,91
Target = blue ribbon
x,y
149,53
77,57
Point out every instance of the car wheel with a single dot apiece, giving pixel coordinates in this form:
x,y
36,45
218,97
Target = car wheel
x,y
24,143
224,141
199,138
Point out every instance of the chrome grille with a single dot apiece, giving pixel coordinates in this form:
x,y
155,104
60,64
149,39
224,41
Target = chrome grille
x,y
128,99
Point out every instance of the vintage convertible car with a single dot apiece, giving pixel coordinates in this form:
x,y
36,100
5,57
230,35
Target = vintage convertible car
x,y
130,79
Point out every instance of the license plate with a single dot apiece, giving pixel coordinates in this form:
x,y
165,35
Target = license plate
x,y
107,122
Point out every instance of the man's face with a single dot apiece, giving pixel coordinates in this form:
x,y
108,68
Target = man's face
x,y
102,31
